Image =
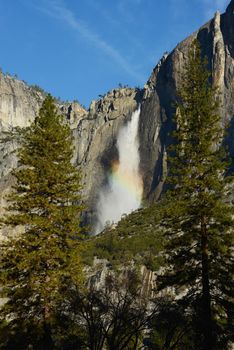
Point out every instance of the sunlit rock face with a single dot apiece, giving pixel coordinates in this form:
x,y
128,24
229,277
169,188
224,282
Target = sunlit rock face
x,y
217,42
96,142
96,130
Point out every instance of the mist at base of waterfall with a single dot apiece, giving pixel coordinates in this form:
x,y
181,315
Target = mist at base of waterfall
x,y
123,192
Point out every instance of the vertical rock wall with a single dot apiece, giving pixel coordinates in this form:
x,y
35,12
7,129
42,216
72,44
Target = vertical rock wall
x,y
158,107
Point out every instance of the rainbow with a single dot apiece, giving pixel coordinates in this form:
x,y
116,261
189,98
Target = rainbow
x,y
130,181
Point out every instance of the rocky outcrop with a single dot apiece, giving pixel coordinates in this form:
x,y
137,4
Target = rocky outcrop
x,y
96,137
101,269
19,105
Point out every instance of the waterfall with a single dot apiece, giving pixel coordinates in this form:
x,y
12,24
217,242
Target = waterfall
x,y
123,192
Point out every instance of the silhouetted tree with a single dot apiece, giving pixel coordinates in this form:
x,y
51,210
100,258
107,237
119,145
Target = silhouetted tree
x,y
114,316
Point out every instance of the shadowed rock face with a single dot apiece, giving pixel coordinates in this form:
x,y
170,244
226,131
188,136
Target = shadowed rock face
x,y
217,42
95,131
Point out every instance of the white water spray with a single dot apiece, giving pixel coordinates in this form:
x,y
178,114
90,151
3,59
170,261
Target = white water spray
x,y
123,193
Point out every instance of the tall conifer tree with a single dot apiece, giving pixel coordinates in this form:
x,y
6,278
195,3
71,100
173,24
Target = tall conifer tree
x,y
46,201
198,219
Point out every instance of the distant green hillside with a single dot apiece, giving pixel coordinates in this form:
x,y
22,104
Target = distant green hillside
x,y
136,237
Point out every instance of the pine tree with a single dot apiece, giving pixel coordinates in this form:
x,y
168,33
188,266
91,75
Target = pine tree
x,y
46,202
198,219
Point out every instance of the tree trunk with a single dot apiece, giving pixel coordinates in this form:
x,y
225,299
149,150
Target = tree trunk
x,y
206,321
47,341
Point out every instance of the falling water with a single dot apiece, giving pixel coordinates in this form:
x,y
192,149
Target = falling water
x,y
123,192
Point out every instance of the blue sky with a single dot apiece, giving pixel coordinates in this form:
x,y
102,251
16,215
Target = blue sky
x,y
78,49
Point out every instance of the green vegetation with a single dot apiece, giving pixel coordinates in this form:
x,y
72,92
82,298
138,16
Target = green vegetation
x,y
136,237
45,257
37,88
197,220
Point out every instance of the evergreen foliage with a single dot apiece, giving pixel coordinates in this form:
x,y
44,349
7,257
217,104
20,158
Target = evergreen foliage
x,y
136,238
170,329
198,220
46,203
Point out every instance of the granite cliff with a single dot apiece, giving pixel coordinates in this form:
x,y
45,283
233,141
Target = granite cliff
x,y
95,130
217,42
